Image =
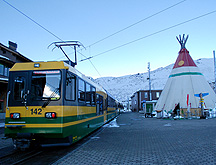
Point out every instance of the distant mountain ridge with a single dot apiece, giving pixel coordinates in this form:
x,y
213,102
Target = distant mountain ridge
x,y
122,88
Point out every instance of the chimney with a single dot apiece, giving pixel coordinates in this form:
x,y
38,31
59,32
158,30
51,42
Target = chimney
x,y
12,45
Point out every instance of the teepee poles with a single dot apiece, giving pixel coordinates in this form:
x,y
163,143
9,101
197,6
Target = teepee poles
x,y
182,40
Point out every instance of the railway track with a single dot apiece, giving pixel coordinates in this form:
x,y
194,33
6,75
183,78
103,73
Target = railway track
x,y
17,157
42,155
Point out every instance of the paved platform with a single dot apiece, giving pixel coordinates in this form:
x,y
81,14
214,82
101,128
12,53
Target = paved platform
x,y
2,123
140,140
2,120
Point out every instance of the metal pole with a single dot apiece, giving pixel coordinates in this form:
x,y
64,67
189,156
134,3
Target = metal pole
x,y
150,94
214,69
75,55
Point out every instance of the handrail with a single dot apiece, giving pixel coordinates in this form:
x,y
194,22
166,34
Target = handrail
x,y
8,100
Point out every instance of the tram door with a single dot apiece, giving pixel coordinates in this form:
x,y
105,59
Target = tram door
x,y
18,89
99,104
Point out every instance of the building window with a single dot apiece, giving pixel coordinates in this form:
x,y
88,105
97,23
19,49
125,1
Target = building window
x,y
146,94
157,94
3,50
4,70
1,69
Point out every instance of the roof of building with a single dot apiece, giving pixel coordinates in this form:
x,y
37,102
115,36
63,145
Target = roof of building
x,y
15,52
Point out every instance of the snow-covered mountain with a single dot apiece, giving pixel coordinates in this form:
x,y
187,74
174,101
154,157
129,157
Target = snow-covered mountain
x,y
122,88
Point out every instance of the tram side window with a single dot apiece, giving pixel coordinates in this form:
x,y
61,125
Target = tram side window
x,y
70,87
108,101
93,93
19,88
88,94
81,90
112,102
99,105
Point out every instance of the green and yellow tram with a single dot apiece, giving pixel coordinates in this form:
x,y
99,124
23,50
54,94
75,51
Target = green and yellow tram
x,y
51,104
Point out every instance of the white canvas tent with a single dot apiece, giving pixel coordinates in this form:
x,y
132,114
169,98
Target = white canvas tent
x,y
184,81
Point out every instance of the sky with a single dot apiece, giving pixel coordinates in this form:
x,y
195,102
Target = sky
x,y
151,27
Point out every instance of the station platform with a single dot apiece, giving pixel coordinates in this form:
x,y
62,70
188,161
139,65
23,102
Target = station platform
x,y
2,123
133,139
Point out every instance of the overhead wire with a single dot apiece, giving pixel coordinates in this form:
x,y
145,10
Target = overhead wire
x,y
52,35
97,71
87,58
117,31
35,22
32,20
99,74
43,28
144,19
168,28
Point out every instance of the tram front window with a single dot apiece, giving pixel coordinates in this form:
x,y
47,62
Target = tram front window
x,y
46,85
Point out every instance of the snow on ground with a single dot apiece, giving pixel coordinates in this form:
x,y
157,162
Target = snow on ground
x,y
122,88
113,123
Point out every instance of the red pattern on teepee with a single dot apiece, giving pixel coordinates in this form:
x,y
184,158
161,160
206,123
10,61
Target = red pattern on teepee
x,y
184,59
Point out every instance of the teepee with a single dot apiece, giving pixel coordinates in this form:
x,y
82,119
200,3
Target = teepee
x,y
184,82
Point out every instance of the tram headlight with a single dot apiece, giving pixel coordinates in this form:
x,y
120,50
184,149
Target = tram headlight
x,y
50,115
15,116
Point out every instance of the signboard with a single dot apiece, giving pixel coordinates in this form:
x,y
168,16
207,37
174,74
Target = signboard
x,y
201,94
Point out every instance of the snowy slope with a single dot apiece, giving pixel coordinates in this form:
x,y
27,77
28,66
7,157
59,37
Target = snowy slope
x,y
122,88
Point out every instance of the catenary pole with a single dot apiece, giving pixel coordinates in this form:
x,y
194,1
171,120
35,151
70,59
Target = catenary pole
x,y
214,70
150,94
